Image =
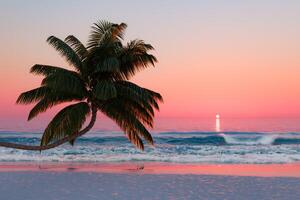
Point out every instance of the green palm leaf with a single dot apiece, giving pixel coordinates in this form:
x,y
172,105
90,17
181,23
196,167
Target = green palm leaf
x,y
134,58
104,32
105,90
68,121
65,82
138,93
125,118
127,93
47,70
50,100
33,95
110,64
66,51
135,139
138,110
77,46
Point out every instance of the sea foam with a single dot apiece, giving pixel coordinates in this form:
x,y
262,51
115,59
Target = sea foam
x,y
179,147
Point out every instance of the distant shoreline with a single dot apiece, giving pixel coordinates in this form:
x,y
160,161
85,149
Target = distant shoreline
x,y
259,170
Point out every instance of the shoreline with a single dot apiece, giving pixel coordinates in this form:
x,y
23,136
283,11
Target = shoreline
x,y
131,186
257,170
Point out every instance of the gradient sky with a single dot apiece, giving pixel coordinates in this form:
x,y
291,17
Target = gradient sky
x,y
236,58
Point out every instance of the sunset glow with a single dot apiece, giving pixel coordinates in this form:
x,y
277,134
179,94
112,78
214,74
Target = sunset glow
x,y
236,59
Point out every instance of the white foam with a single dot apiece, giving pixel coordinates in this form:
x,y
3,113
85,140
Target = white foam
x,y
266,139
180,154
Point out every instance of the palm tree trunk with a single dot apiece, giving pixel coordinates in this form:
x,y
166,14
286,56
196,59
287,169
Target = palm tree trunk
x,y
57,143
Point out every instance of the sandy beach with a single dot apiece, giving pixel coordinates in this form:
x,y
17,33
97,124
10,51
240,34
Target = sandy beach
x,y
90,185
148,181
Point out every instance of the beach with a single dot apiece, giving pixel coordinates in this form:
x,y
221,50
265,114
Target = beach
x,y
147,181
182,165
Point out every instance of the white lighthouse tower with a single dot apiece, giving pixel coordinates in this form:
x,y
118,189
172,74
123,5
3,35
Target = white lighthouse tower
x,y
218,125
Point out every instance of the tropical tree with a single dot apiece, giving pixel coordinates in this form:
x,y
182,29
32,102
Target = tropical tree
x,y
99,82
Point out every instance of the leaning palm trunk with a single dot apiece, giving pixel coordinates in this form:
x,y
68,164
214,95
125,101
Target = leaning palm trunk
x,y
57,143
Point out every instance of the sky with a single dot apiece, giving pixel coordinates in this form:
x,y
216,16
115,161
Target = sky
x,y
236,58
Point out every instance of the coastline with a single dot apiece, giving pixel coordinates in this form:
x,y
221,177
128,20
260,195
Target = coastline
x,y
258,170
148,181
49,185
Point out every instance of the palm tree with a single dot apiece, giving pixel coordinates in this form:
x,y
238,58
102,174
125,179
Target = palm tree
x,y
99,82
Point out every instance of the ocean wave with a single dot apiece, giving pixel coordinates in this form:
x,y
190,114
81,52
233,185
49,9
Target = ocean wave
x,y
258,140
215,139
162,153
191,147
207,140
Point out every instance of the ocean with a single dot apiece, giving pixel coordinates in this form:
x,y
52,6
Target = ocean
x,y
259,141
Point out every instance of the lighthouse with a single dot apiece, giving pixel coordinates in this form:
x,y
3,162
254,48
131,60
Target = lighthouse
x,y
218,126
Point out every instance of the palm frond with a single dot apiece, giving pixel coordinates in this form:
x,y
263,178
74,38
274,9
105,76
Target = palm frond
x,y
47,70
141,112
66,51
105,90
139,46
135,139
110,64
103,32
33,95
67,122
50,100
131,90
125,118
135,57
64,81
127,93
77,46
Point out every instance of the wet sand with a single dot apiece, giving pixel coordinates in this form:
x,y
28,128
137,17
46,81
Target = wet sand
x,y
131,186
262,170
89,181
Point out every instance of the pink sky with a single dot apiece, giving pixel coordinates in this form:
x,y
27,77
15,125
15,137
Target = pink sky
x,y
239,60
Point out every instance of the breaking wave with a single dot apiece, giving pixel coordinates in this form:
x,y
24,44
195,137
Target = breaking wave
x,y
185,147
